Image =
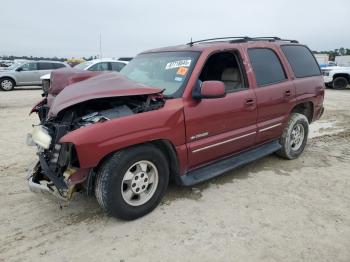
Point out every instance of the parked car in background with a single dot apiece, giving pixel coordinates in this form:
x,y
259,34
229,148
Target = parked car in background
x,y
102,65
4,64
98,65
187,113
27,73
127,59
336,77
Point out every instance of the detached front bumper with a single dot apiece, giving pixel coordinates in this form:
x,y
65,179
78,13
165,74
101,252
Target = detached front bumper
x,y
42,180
44,187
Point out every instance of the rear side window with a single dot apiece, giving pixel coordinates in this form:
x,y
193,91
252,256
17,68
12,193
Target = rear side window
x,y
102,66
301,60
116,66
45,66
267,66
58,65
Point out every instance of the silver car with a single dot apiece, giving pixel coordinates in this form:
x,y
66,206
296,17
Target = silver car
x,y
27,73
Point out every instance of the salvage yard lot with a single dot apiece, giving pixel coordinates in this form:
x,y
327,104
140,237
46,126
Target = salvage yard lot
x,y
270,210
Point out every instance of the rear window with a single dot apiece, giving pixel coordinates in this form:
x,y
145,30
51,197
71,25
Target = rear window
x,y
301,60
266,65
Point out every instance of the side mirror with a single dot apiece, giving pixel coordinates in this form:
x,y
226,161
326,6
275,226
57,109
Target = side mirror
x,y
209,89
19,69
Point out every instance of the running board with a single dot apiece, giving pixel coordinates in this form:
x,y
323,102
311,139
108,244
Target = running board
x,y
217,168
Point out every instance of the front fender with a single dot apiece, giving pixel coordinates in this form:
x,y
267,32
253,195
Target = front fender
x,y
94,142
39,104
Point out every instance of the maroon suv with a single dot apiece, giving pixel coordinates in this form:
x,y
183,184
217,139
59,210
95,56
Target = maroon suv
x,y
186,113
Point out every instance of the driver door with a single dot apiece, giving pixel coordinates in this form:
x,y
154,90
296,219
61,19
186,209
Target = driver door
x,y
28,74
218,127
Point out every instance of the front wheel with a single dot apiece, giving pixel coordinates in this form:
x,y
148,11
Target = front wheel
x,y
7,84
132,182
294,136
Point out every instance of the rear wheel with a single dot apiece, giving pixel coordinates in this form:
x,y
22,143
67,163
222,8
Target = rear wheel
x,y
7,84
294,136
132,182
340,82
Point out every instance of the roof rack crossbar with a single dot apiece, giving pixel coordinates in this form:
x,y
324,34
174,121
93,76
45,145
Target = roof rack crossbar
x,y
235,39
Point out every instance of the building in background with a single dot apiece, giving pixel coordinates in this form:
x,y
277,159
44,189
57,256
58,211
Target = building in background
x,y
343,60
322,59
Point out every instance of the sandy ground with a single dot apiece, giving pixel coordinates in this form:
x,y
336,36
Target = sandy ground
x,y
270,210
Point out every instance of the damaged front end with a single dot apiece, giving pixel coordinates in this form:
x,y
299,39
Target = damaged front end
x,y
58,171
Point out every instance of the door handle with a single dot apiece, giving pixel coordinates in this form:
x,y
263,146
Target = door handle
x,y
249,102
287,93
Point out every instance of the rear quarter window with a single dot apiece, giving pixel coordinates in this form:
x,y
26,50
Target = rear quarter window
x,y
46,66
301,60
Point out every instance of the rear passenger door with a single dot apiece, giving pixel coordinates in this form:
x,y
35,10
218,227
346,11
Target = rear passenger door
x,y
44,68
274,92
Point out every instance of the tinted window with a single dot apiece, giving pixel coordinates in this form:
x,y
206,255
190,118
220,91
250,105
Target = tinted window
x,y
58,65
45,66
266,65
103,66
301,60
29,67
116,66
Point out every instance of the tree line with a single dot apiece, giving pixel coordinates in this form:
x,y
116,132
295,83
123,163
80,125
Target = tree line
x,y
332,54
36,58
336,52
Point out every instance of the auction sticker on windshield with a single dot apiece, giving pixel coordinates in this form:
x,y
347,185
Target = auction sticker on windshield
x,y
178,63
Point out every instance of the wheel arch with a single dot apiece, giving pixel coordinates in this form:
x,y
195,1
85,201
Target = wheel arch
x,y
306,109
347,76
164,145
9,77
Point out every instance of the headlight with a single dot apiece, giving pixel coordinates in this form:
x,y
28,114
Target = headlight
x,y
41,137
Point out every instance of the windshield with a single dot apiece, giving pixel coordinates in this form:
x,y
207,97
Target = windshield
x,y
166,70
83,65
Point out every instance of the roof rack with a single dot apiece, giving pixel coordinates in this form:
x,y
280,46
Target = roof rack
x,y
235,39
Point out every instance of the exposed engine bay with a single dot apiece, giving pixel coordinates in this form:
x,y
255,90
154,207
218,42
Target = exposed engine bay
x,y
57,162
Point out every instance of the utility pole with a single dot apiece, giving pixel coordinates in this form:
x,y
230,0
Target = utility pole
x,y
100,46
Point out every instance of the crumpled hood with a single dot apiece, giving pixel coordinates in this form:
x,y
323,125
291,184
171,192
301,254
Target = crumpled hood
x,y
101,86
63,77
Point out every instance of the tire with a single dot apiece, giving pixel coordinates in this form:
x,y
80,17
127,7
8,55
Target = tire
x,y
292,147
340,82
7,84
114,185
